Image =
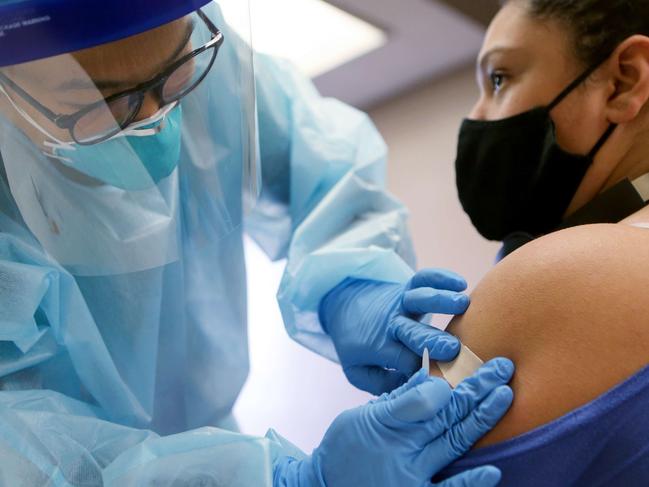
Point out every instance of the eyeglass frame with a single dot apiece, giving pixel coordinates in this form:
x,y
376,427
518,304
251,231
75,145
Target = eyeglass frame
x,y
68,121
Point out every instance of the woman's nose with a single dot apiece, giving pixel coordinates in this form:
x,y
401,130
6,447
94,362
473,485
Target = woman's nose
x,y
477,112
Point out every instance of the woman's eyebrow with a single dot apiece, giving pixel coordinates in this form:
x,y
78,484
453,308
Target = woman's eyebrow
x,y
484,58
80,84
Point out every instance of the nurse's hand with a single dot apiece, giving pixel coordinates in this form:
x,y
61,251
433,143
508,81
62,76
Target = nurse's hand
x,y
408,436
375,331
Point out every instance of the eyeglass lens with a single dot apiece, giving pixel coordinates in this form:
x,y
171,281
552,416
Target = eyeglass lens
x,y
106,120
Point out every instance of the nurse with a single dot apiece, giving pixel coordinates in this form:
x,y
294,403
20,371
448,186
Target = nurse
x,y
134,140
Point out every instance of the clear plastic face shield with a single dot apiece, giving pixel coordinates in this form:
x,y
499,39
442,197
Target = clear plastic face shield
x,y
117,153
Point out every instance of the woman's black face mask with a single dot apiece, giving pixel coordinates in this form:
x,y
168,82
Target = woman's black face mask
x,y
512,176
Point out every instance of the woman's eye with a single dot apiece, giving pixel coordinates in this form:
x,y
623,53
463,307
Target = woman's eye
x,y
497,80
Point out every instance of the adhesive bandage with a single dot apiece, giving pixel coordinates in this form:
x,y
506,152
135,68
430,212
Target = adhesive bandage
x,y
462,367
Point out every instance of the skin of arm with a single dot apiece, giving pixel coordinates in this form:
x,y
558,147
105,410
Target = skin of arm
x,y
571,310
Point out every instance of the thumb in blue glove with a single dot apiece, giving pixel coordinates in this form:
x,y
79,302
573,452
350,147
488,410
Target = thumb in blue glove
x,y
406,437
375,329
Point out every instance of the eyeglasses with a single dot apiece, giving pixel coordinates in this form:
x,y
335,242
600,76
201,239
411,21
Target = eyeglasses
x,y
104,119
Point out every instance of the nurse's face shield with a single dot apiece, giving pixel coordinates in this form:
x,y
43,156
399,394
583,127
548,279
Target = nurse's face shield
x,y
105,118
117,155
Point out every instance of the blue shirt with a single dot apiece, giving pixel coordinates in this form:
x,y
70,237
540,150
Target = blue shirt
x,y
605,442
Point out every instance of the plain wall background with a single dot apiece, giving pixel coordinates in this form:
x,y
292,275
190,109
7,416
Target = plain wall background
x,y
300,393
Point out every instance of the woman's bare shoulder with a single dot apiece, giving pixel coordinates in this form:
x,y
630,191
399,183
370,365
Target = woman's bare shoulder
x,y
572,310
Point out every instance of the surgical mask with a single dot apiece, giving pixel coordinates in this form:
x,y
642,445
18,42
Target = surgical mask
x,y
512,176
91,230
135,159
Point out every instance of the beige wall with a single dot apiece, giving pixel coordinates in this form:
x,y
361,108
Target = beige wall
x,y
421,130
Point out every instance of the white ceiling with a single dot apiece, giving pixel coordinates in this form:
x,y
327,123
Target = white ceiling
x,y
310,21
426,39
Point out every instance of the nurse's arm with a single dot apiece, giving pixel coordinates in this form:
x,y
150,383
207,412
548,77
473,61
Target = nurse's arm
x,y
571,311
324,203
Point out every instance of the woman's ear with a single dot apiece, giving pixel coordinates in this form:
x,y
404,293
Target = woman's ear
x,y
629,70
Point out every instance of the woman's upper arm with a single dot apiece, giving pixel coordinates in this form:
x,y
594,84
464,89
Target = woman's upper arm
x,y
571,310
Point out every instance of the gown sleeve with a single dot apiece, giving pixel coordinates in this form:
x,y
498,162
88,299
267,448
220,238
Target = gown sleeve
x,y
323,204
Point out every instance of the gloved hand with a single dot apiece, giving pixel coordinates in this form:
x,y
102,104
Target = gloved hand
x,y
375,331
406,437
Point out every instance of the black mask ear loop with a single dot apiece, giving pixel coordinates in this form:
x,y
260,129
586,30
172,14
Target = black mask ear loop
x,y
572,86
518,239
569,89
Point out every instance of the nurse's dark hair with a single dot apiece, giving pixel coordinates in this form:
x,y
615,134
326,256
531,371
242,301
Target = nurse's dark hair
x,y
597,27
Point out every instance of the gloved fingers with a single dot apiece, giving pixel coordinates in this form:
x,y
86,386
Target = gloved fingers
x,y
487,476
417,404
458,439
419,377
439,279
423,300
472,391
375,380
416,336
395,355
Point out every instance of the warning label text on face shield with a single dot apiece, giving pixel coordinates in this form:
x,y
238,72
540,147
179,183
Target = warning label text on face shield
x,y
18,24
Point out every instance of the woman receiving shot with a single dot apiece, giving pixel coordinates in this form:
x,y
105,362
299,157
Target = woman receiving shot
x,y
553,160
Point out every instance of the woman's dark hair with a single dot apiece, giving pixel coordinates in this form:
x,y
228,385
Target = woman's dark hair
x,y
597,26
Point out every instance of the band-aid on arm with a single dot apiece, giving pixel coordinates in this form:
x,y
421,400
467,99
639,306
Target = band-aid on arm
x,y
464,366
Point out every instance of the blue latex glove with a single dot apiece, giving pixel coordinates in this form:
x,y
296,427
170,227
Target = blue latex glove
x,y
375,331
406,437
